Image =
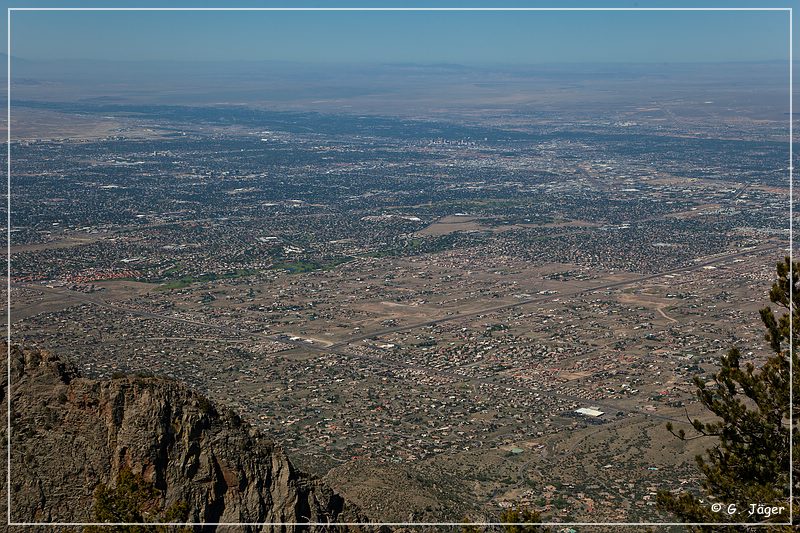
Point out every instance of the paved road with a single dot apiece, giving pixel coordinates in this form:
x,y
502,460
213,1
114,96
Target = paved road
x,y
540,299
81,297
339,347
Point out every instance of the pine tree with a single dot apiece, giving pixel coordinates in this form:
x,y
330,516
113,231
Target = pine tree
x,y
136,501
749,461
515,520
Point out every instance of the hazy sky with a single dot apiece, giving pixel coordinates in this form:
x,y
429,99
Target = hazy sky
x,y
429,37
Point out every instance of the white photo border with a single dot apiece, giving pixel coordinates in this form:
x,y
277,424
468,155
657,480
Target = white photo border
x,y
389,9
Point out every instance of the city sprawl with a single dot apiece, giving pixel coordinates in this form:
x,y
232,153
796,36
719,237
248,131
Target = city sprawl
x,y
442,317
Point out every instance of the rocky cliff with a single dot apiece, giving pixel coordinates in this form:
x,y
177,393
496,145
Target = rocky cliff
x,y
71,435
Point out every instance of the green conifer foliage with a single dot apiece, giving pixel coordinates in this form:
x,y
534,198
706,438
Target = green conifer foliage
x,y
749,461
134,501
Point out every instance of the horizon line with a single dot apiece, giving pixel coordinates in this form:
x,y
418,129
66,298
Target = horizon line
x,y
442,63
10,9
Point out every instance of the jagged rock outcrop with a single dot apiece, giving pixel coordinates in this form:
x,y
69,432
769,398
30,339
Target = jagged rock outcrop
x,y
71,434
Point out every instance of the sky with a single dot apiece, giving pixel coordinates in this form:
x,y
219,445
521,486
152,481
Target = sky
x,y
414,37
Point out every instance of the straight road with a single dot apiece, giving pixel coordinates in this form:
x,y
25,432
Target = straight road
x,y
339,348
